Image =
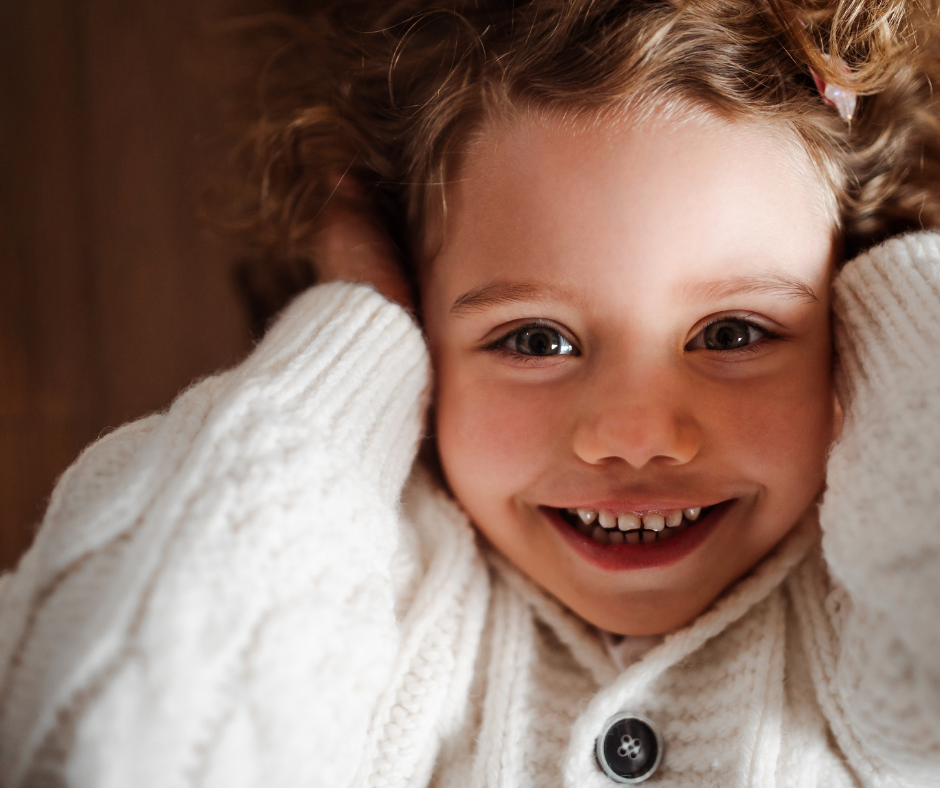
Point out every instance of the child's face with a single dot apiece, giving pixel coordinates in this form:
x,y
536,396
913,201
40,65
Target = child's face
x,y
568,316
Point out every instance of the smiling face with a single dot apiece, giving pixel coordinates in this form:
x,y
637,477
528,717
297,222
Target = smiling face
x,y
633,321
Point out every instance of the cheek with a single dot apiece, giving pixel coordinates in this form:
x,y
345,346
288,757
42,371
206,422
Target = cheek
x,y
495,439
779,430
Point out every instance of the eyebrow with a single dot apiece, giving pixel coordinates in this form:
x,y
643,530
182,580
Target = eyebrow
x,y
768,284
503,292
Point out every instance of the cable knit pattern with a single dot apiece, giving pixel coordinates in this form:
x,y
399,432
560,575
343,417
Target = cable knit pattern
x,y
882,543
257,588
138,637
440,633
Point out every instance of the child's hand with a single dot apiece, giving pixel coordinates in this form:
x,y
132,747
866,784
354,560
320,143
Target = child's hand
x,y
353,247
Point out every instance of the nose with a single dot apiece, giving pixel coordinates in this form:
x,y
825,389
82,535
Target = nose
x,y
639,419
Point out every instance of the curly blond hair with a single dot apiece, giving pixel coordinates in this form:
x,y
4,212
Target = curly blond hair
x,y
392,95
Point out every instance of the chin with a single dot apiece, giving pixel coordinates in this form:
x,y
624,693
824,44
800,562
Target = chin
x,y
637,615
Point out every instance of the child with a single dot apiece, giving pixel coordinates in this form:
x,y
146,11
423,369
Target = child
x,y
624,220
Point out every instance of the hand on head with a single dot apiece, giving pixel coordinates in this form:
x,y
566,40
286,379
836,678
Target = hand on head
x,y
353,246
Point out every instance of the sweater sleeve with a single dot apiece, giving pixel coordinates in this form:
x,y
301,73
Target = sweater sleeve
x,y
881,511
209,600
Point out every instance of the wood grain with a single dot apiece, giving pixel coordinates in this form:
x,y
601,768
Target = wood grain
x,y
113,296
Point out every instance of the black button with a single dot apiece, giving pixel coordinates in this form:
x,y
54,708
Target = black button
x,y
629,749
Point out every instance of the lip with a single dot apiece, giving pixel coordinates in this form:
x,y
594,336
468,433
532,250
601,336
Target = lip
x,y
625,557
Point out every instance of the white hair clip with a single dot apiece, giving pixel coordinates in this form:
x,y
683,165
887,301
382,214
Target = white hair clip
x,y
843,99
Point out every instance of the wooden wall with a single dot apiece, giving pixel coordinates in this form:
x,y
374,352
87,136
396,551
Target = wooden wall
x,y
112,295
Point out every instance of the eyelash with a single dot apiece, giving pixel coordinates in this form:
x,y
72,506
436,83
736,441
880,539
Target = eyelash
x,y
755,347
501,350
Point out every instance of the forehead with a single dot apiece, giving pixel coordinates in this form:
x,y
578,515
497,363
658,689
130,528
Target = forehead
x,y
626,201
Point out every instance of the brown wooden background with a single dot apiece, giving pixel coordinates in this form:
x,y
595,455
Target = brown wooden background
x,y
112,295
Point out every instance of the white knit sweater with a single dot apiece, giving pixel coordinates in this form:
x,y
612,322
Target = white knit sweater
x,y
243,591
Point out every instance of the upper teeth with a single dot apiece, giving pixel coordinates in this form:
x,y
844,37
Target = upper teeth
x,y
629,521
587,516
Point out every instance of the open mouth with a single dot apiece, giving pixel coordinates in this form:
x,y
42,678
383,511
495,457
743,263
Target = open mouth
x,y
628,540
610,528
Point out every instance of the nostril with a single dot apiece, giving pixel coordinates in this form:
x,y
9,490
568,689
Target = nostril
x,y
638,436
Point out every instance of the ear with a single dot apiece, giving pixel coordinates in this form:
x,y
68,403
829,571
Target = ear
x,y
838,416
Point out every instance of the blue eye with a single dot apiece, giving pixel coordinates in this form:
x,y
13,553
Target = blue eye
x,y
538,341
729,333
